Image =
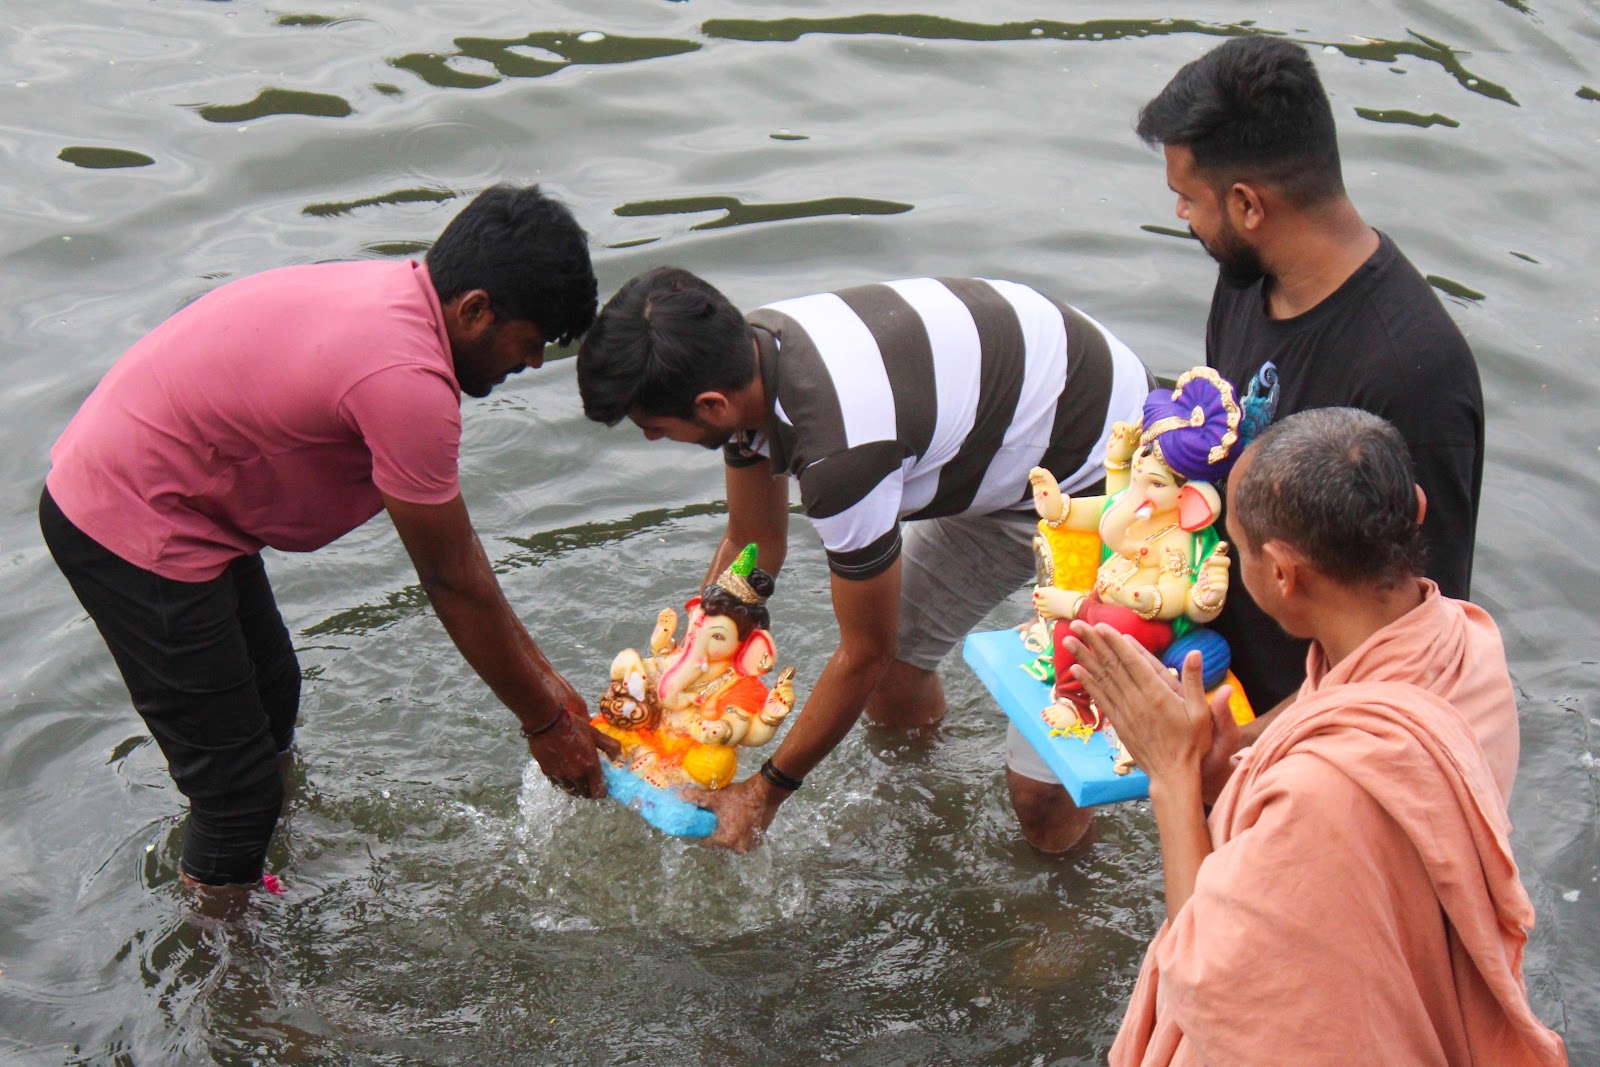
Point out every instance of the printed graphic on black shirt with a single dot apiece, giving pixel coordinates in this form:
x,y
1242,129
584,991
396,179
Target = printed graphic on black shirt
x,y
1260,402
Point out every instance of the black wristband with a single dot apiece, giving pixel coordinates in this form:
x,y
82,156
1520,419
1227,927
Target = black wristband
x,y
531,732
779,779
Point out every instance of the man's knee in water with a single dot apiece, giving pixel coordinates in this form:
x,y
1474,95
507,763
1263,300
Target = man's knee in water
x,y
1046,814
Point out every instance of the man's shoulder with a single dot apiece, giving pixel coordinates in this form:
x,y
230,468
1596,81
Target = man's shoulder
x,y
329,281
1407,300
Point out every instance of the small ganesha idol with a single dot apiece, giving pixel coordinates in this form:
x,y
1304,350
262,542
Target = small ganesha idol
x,y
680,711
1163,570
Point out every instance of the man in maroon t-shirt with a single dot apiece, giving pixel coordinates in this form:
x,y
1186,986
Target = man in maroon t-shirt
x,y
284,410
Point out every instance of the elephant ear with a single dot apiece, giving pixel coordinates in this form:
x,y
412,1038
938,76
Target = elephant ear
x,y
756,655
1198,505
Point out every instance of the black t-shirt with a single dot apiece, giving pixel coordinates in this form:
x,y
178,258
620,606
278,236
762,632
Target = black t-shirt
x,y
1382,342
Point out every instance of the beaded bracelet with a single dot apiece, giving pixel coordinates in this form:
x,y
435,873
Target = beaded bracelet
x,y
779,779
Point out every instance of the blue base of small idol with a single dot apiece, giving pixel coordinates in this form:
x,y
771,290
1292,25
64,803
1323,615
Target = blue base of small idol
x,y
1084,767
661,808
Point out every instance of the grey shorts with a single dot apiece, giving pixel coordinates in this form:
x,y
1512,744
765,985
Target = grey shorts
x,y
953,572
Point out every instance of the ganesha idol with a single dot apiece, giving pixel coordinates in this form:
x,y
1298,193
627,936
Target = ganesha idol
x,y
1163,570
680,712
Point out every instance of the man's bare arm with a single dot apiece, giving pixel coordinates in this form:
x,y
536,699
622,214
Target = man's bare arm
x,y
459,582
758,511
869,618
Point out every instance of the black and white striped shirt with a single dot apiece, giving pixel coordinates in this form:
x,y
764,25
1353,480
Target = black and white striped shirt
x,y
929,397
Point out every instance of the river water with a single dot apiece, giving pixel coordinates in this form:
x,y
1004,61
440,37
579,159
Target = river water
x,y
443,905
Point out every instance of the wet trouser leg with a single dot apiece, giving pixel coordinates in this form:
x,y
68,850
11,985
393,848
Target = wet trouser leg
x,y
213,674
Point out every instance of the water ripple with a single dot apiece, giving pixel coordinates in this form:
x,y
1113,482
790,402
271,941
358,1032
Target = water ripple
x,y
738,213
534,56
945,29
277,102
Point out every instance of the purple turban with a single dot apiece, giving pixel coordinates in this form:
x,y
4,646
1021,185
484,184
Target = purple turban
x,y
1194,428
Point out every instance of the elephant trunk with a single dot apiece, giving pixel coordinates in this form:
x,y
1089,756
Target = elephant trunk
x,y
686,665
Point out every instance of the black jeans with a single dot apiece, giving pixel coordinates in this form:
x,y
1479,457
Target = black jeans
x,y
213,674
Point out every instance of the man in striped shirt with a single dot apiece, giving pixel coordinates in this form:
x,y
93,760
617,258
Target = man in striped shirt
x,y
921,402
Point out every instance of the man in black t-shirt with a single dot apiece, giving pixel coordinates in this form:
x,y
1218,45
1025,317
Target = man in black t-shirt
x,y
1313,307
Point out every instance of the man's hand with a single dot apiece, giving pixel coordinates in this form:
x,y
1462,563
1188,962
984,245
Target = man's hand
x,y
744,810
565,754
1167,729
465,594
1226,736
1226,740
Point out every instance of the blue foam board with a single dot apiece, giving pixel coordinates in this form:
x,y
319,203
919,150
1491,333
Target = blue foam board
x,y
1084,767
661,808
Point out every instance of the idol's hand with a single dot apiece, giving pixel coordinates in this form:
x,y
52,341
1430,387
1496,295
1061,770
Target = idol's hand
x,y
1121,444
1211,587
780,701
1144,599
744,810
710,731
661,638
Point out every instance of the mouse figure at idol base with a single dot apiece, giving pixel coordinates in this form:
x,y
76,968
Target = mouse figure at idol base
x,y
680,712
1163,571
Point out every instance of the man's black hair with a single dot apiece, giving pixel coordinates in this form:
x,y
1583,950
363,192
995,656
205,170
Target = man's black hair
x,y
1252,108
662,340
1336,485
527,252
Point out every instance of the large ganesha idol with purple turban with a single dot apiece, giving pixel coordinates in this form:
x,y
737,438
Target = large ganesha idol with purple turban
x,y
681,711
1163,570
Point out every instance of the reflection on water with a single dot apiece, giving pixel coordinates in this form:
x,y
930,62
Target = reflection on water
x,y
535,549
1430,50
1453,288
533,56
1168,231
930,28
314,20
1409,118
399,196
933,28
414,249
737,213
101,158
444,904
277,102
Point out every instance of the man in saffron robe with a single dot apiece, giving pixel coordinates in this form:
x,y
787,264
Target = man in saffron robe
x,y
1358,862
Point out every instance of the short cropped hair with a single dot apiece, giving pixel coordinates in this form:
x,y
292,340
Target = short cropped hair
x,y
666,337
1252,108
527,252
1336,485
